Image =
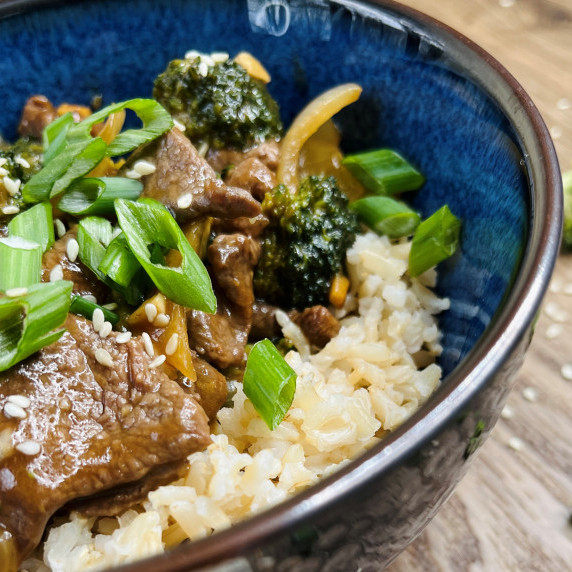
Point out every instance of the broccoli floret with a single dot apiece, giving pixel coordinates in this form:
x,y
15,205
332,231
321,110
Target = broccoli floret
x,y
226,108
18,162
305,244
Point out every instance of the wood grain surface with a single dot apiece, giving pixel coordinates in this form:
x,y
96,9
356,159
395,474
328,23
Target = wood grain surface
x,y
513,511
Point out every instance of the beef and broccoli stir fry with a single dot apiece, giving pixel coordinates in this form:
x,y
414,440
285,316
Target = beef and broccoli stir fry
x,y
153,278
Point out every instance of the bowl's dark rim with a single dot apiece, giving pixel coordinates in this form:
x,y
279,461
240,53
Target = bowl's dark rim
x,y
496,344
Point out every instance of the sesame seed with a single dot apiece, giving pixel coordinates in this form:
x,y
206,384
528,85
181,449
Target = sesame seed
x,y
566,371
144,167
90,298
3,161
172,345
19,400
553,331
564,103
203,69
202,149
207,60
507,412
11,185
57,273
3,172
21,161
72,249
516,443
98,319
178,125
506,3
554,312
105,329
219,57
28,447
530,394
15,292
159,360
110,306
185,201
123,337
13,410
10,209
148,344
103,357
567,290
150,311
162,320
192,55
60,227
133,174
555,132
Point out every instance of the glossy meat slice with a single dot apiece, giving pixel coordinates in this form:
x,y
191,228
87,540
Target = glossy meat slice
x,y
254,176
88,427
187,184
317,323
267,153
221,338
38,112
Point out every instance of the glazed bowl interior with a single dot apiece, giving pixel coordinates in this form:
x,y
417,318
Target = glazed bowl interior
x,y
427,93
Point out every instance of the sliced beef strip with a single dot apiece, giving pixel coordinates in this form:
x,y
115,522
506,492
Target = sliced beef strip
x,y
221,338
38,112
317,323
254,176
98,427
264,324
210,386
115,501
179,171
253,227
267,153
84,280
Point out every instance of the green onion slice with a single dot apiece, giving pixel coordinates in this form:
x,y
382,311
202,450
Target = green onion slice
x,y
20,263
71,163
82,307
384,172
124,271
27,322
147,223
35,224
91,196
93,236
435,240
156,120
269,382
387,216
54,136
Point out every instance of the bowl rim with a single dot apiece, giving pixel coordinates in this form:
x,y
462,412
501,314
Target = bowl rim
x,y
501,337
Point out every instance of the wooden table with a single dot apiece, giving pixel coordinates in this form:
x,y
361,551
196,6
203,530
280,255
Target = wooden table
x,y
513,511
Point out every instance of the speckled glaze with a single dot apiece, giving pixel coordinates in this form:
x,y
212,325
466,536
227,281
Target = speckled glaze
x,y
429,93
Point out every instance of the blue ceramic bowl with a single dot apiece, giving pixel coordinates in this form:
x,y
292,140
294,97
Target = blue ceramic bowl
x,y
450,108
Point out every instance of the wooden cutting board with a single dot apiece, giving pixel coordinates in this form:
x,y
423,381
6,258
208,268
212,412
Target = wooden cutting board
x,y
513,510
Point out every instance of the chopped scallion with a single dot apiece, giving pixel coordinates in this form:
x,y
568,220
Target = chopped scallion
x,y
74,161
124,271
147,223
35,224
20,263
27,322
435,240
269,382
387,216
54,136
90,196
82,307
384,172
156,120
93,236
